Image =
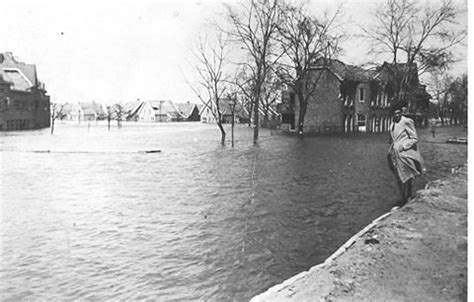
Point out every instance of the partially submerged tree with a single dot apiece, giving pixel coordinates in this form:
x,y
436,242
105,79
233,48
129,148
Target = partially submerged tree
x,y
254,27
109,116
212,82
57,111
119,111
243,81
271,94
304,39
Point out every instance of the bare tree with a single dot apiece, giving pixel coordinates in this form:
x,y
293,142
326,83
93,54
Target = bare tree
x,y
243,82
271,94
118,110
254,27
393,20
304,39
422,36
212,83
57,111
438,85
109,117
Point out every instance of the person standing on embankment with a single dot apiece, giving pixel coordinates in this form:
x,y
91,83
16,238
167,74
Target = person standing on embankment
x,y
404,158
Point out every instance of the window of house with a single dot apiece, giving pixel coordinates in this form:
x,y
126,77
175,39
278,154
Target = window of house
x,y
361,95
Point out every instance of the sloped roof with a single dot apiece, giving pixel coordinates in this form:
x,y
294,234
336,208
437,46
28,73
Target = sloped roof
x,y
201,107
132,108
185,109
345,71
358,74
162,106
18,80
387,70
21,74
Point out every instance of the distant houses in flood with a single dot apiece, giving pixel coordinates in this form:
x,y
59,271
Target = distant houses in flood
x,y
156,111
24,103
138,111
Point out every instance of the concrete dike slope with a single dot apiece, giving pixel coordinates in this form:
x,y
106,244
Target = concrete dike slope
x,y
415,253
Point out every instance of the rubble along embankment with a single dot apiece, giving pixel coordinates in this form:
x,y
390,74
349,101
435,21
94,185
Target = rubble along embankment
x,y
416,253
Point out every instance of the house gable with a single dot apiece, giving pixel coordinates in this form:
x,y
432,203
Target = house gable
x,y
146,113
324,109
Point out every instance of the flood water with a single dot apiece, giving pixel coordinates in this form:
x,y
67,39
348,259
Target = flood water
x,y
94,219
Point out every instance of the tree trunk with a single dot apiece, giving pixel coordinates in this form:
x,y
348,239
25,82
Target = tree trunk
x,y
52,126
255,118
303,106
219,124
250,113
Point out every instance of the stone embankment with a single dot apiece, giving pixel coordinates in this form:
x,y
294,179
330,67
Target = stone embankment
x,y
415,253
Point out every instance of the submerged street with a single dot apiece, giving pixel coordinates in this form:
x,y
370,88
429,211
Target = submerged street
x,y
85,215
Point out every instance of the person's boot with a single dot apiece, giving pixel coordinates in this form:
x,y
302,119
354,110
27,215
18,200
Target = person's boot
x,y
403,195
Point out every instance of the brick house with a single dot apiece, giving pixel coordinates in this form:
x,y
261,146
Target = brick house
x,y
351,99
23,100
324,112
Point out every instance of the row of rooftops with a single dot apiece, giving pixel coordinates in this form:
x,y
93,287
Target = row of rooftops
x,y
131,108
175,110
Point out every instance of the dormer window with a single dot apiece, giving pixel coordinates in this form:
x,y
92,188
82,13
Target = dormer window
x,y
361,95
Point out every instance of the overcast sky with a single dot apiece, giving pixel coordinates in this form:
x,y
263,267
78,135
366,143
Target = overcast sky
x,y
118,51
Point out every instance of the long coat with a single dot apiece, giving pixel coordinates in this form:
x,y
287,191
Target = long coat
x,y
406,158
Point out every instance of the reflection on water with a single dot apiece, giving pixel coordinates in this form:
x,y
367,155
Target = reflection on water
x,y
95,219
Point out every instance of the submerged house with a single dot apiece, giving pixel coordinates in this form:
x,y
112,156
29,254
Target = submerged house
x,y
240,112
91,111
352,99
24,103
166,111
188,111
131,110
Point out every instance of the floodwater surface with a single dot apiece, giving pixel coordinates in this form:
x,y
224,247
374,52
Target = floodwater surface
x,y
86,216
